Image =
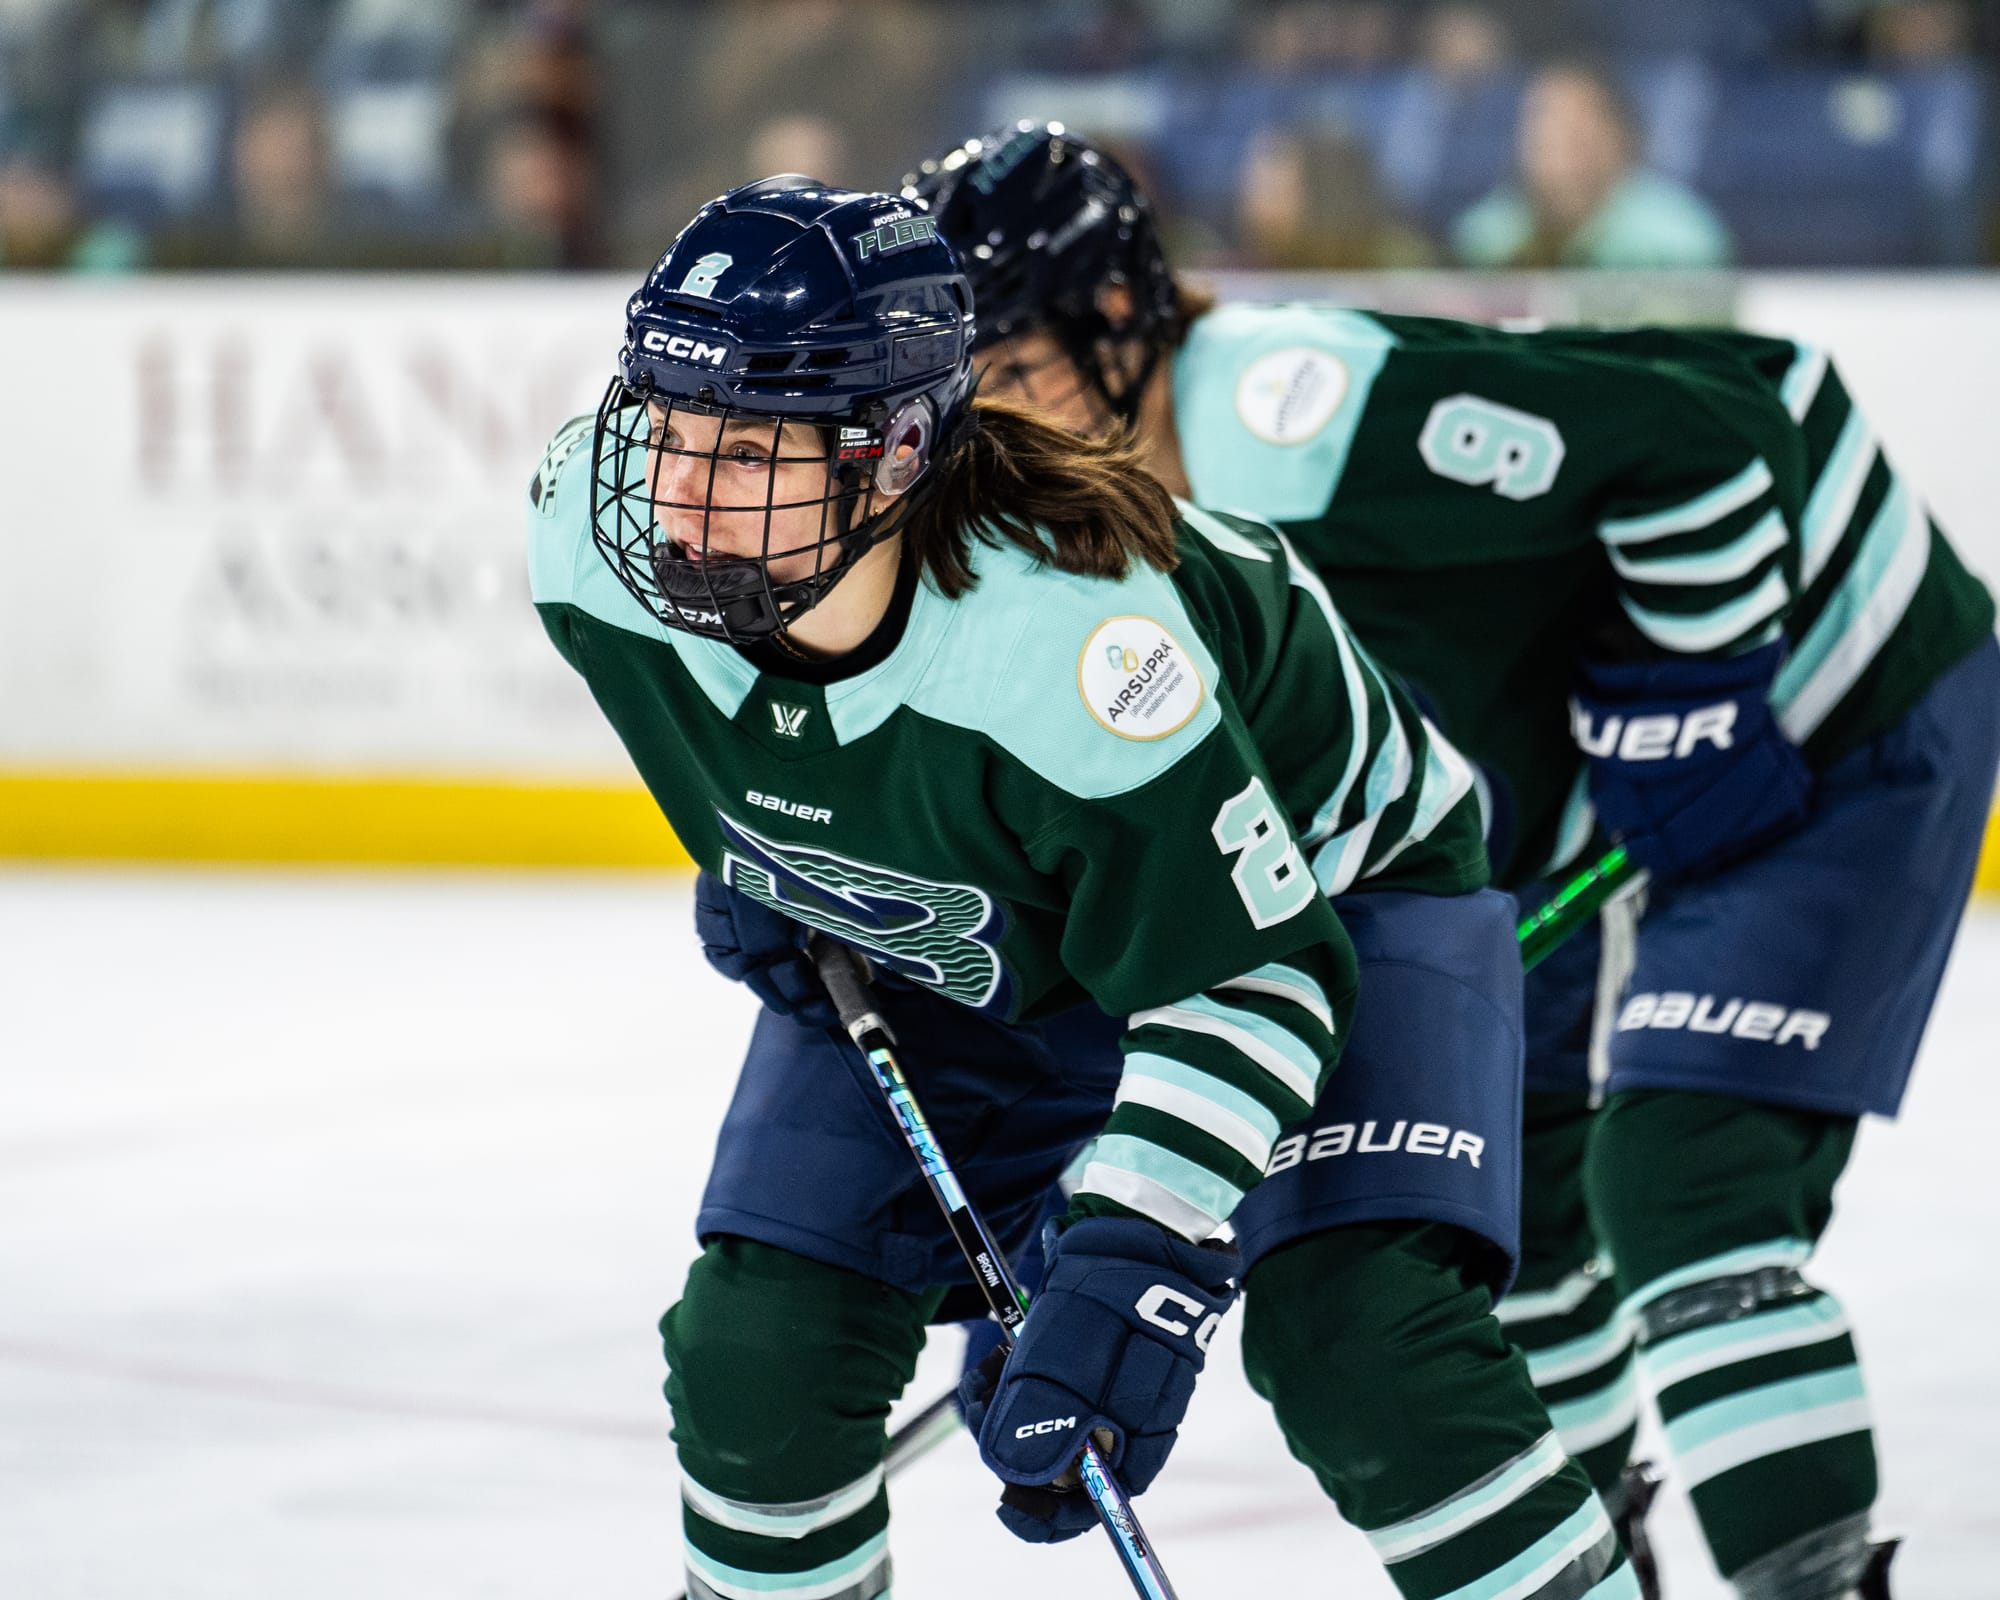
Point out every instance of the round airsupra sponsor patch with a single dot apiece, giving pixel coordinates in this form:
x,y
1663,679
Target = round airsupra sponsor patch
x,y
1137,680
1289,395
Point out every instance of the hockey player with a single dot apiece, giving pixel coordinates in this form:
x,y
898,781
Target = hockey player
x,y
961,689
1659,584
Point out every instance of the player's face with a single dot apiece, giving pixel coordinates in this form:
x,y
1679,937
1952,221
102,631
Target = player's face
x,y
1034,369
741,487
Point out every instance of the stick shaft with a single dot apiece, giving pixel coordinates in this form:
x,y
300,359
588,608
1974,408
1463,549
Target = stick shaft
x,y
988,1262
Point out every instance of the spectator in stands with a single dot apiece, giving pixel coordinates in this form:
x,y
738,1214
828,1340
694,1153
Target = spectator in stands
x,y
1463,43
1583,198
42,228
1311,201
541,193
1918,33
285,212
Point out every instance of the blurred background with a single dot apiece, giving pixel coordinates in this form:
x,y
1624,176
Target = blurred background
x,y
1297,134
338,1191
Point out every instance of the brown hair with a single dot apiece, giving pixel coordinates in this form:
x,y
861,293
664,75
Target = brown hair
x,y
1086,506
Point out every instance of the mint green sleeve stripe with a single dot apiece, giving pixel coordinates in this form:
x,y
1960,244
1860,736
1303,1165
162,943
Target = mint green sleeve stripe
x,y
1355,676
1726,624
1175,1191
1761,539
1860,616
1447,780
1830,506
1282,1054
1286,983
1338,862
1704,510
1802,381
1215,1108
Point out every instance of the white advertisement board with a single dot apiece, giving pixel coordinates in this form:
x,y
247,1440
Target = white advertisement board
x,y
278,524
272,528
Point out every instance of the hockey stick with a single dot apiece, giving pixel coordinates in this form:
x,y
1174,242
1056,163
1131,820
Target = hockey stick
x,y
1574,904
842,976
1539,933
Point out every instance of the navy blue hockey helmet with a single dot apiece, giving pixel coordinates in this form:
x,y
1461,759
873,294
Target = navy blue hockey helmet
x,y
797,347
1044,222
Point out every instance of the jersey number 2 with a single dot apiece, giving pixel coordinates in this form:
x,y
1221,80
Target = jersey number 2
x,y
1271,875
1475,441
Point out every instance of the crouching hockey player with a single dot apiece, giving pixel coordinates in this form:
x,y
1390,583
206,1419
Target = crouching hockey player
x,y
960,689
1660,584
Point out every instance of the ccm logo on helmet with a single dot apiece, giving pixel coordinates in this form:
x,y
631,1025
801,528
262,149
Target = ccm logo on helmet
x,y
1153,1305
1658,738
678,347
1028,1430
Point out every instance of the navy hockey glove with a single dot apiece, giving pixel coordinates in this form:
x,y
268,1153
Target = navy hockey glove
x,y
1688,766
749,943
1112,1347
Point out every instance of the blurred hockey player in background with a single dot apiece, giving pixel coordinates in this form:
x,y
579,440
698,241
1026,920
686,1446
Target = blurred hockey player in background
x,y
963,689
1663,586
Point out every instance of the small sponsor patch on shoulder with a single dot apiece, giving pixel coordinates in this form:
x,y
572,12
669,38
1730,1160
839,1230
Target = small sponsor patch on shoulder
x,y
1287,396
1137,680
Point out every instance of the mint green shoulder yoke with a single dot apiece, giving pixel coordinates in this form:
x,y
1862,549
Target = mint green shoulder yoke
x,y
1267,399
1007,660
565,567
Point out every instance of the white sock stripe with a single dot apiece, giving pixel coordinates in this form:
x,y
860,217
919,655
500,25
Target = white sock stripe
x,y
1587,1530
1686,1355
1560,1301
856,1576
793,1520
1473,1504
1600,1416
1719,1455
1559,1363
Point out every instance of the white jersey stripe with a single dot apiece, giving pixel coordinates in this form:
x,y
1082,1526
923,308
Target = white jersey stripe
x,y
1700,512
1741,555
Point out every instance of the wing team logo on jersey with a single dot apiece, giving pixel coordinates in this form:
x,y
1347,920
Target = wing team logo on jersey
x,y
1136,679
1286,397
942,935
789,720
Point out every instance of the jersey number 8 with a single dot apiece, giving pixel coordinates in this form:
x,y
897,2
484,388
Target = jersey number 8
x,y
1475,441
1271,875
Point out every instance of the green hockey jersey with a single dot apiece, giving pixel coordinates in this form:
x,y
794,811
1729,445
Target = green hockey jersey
x,y
1488,506
1053,788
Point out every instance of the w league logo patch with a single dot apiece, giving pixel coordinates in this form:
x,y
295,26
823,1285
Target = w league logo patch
x,y
1137,680
789,720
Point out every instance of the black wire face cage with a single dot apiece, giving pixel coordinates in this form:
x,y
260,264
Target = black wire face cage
x,y
685,506
1108,370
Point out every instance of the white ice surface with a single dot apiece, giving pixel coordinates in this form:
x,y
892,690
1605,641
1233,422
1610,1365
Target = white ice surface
x,y
335,1214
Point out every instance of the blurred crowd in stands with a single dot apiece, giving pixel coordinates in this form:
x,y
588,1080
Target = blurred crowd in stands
x,y
1290,134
